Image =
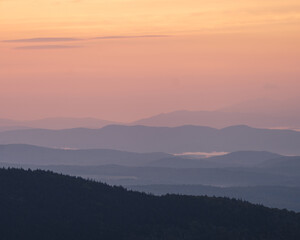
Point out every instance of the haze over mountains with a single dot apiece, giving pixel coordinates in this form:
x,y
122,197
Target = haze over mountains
x,y
162,139
282,108
54,123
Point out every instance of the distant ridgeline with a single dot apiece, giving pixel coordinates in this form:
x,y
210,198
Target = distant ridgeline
x,y
44,205
161,139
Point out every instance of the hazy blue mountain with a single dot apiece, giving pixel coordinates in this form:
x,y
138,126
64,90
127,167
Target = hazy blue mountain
x,y
182,162
42,205
162,139
218,119
7,125
283,165
27,154
235,159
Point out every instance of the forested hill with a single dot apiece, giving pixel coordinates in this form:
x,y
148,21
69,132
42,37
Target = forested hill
x,y
44,205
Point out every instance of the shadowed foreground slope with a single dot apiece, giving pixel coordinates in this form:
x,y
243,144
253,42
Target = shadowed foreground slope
x,y
44,205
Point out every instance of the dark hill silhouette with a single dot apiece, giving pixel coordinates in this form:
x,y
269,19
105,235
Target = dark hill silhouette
x,y
271,196
162,139
42,205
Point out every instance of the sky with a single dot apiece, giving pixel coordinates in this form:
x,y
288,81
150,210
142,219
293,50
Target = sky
x,y
123,60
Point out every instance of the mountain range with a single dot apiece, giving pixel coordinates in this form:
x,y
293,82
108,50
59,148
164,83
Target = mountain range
x,y
219,119
28,154
161,139
128,168
215,119
259,177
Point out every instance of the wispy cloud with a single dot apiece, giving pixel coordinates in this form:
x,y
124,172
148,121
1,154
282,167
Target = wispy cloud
x,y
41,47
42,40
129,36
65,39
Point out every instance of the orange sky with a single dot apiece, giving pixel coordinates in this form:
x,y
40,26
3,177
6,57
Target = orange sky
x,y
126,59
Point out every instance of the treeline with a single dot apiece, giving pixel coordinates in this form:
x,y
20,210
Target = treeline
x,y
48,206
